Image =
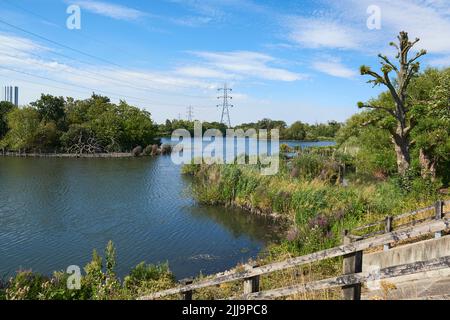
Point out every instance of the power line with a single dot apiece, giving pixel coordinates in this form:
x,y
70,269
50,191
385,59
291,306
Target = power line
x,y
72,49
87,88
82,53
45,19
225,104
59,44
104,78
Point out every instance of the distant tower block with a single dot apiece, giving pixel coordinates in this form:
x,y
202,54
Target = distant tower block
x,y
12,95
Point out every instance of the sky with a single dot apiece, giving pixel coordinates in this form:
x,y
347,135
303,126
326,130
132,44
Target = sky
x,y
285,60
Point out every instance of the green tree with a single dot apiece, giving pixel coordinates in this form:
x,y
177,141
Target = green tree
x,y
5,108
23,124
297,131
138,126
46,137
51,108
430,95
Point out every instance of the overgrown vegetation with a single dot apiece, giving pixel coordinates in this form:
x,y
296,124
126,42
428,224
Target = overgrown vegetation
x,y
391,158
99,282
56,124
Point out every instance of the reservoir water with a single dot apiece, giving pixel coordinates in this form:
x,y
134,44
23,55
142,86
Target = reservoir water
x,y
54,212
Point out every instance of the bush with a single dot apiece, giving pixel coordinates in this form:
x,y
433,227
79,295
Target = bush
x,y
147,150
137,151
149,278
25,286
98,283
166,149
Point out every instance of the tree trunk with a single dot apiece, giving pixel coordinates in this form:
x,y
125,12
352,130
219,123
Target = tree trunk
x,y
401,144
428,166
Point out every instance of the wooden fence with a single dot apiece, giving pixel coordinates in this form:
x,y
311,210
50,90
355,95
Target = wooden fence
x,y
352,251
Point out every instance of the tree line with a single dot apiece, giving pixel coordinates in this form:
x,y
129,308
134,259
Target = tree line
x,y
297,131
58,124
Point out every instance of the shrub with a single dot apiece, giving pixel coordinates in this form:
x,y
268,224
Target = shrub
x,y
25,286
166,149
137,151
147,150
149,278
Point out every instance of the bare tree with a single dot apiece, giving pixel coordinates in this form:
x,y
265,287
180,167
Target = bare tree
x,y
406,69
85,144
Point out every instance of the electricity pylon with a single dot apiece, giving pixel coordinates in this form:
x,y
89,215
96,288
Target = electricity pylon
x,y
190,113
225,104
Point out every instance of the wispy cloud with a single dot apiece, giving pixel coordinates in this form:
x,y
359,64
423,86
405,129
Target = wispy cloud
x,y
202,72
15,44
322,33
345,27
110,10
333,67
194,21
247,64
428,20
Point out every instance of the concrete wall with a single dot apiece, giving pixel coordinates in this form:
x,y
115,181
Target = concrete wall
x,y
421,251
425,285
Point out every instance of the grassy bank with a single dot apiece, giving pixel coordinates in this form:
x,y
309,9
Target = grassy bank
x,y
312,194
307,191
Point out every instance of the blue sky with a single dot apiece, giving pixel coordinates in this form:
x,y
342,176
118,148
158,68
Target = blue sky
x,y
288,60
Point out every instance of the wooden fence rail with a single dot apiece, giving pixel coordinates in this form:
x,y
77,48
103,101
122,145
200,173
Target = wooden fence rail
x,y
352,279
352,250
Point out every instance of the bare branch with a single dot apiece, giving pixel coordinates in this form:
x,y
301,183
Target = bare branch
x,y
388,62
418,55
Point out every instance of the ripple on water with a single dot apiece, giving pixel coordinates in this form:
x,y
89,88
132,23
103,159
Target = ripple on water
x,y
54,212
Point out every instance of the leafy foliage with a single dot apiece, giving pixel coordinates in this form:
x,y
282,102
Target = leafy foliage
x,y
78,126
98,283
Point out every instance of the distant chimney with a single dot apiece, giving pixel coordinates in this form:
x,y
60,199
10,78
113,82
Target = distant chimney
x,y
12,95
16,96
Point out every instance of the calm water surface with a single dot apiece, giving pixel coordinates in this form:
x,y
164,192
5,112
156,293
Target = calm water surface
x,y
54,212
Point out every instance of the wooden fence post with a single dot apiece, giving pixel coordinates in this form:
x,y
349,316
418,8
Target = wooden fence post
x,y
439,209
187,295
387,229
251,284
352,264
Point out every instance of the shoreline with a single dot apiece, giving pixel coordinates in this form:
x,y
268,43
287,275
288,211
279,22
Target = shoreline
x,y
67,155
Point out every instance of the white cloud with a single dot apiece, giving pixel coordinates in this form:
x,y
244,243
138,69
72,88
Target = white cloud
x,y
322,33
20,64
333,67
191,21
202,72
247,64
345,28
16,44
428,20
420,19
114,11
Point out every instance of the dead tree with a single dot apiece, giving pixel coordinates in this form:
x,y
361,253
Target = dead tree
x,y
406,69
